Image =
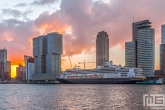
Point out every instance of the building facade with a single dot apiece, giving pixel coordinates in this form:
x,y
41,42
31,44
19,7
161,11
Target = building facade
x,y
162,50
3,55
29,67
47,52
163,34
102,48
130,54
20,73
5,66
143,42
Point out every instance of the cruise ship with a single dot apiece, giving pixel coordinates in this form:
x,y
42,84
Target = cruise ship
x,y
108,74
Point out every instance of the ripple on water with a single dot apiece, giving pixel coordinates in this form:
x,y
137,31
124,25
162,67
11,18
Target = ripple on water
x,y
75,97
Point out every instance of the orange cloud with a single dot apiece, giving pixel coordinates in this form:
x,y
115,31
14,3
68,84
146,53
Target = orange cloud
x,y
47,23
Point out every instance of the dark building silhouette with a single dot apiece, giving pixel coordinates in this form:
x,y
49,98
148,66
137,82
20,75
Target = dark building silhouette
x,y
20,73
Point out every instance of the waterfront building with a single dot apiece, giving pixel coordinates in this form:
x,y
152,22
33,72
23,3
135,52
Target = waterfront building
x,y
29,67
140,52
130,54
5,66
20,73
162,50
3,55
102,48
47,50
163,34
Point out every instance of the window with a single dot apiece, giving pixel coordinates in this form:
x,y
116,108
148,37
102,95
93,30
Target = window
x,y
43,64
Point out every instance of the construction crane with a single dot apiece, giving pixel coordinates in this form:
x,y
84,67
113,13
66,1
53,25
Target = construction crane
x,y
85,62
70,62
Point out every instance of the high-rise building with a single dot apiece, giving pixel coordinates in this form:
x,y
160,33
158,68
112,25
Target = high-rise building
x,y
29,67
20,73
163,34
130,54
102,48
162,58
47,52
3,55
162,50
140,52
5,66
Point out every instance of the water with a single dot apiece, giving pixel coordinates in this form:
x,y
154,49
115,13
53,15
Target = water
x,y
75,96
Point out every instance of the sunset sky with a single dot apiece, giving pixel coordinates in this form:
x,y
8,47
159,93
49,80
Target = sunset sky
x,y
79,21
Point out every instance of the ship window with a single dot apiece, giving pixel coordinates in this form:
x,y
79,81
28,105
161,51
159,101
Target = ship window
x,y
123,75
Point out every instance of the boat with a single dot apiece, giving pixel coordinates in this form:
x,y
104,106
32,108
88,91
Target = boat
x,y
154,81
108,74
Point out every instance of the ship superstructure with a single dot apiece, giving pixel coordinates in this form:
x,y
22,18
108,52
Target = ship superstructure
x,y
103,75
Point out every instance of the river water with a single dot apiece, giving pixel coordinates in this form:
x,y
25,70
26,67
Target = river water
x,y
75,96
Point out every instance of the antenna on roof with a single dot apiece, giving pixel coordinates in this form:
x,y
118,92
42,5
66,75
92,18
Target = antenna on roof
x,y
133,19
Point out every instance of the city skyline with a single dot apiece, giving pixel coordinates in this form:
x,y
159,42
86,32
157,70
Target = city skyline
x,y
26,20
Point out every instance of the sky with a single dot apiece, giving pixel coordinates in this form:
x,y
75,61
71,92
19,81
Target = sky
x,y
79,21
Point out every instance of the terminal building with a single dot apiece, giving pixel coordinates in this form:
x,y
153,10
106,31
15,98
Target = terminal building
x,y
47,50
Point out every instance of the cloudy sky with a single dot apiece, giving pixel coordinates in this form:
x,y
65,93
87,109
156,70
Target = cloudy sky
x,y
79,21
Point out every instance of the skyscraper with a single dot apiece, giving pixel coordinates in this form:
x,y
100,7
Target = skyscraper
x,y
130,54
102,48
162,50
3,55
47,52
5,66
163,34
140,52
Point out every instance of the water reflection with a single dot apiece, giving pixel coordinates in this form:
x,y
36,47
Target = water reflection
x,y
75,97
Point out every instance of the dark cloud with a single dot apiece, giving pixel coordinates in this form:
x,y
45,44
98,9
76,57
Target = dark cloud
x,y
16,13
21,5
43,2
